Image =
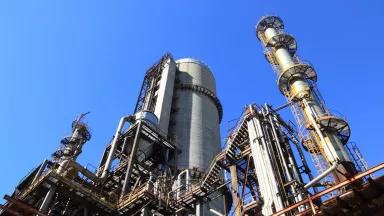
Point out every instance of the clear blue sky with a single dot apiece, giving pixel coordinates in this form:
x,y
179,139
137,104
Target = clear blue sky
x,y
61,58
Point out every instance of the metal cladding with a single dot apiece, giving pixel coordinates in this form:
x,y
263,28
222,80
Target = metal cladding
x,y
269,139
165,91
197,115
182,94
296,80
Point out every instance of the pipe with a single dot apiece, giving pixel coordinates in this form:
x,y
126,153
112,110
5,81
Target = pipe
x,y
84,171
108,162
62,166
40,171
199,209
130,160
215,212
297,196
179,178
70,163
321,176
47,199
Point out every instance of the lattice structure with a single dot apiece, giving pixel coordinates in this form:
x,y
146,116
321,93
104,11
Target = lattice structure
x,y
308,142
357,157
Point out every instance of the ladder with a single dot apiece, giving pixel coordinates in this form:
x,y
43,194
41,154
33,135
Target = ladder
x,y
308,141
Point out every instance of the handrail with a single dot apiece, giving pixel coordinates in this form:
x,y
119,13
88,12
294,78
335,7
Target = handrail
x,y
333,188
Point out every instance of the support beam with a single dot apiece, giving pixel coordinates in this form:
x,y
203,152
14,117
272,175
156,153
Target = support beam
x,y
10,211
246,178
22,205
335,187
235,187
126,187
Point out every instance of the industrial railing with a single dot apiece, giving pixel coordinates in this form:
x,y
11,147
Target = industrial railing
x,y
311,198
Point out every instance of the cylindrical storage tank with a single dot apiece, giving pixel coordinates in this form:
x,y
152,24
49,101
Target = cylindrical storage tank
x,y
195,119
196,115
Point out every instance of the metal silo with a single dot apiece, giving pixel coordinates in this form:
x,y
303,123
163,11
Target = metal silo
x,y
195,119
197,114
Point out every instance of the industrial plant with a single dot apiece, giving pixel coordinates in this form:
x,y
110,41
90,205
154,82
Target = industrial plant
x,y
166,158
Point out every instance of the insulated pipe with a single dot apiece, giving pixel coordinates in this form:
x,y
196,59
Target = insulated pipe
x,y
298,196
108,162
262,161
179,178
279,147
199,209
62,166
321,176
275,195
215,212
47,199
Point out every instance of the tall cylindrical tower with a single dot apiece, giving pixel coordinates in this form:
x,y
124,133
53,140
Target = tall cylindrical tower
x,y
327,134
195,119
197,114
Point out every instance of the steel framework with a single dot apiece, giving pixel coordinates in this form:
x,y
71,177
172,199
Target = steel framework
x,y
262,170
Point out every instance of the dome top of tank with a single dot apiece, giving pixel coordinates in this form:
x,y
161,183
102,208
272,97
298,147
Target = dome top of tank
x,y
202,65
197,76
192,60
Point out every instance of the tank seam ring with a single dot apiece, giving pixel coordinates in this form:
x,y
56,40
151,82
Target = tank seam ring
x,y
206,92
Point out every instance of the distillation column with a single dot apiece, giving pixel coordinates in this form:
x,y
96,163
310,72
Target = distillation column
x,y
70,149
296,80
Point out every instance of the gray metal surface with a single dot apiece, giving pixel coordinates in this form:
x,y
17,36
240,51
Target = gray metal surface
x,y
196,121
165,95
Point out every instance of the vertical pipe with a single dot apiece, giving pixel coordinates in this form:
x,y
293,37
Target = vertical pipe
x,y
108,162
47,199
199,209
123,148
268,184
279,147
275,195
130,160
297,196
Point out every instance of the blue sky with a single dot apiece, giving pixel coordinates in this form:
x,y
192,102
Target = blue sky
x,y
62,58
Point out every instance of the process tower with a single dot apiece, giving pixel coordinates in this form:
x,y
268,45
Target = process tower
x,y
165,158
297,82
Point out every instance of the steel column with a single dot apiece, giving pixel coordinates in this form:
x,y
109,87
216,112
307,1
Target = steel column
x,y
126,186
237,202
